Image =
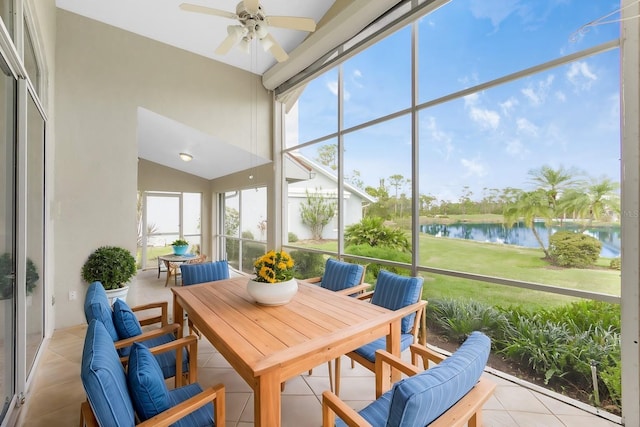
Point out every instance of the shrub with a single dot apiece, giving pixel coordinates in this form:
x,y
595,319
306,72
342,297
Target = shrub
x,y
615,264
250,253
371,231
247,235
6,280
457,319
568,249
110,265
308,264
292,237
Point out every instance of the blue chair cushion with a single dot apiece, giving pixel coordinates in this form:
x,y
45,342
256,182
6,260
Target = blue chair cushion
x,y
205,272
201,417
126,323
104,380
368,351
167,360
340,275
96,306
393,291
420,399
376,413
148,391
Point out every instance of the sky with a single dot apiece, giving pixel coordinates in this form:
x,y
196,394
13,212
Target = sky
x,y
567,116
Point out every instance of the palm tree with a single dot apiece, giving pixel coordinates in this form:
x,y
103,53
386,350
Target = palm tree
x,y
528,207
594,201
554,181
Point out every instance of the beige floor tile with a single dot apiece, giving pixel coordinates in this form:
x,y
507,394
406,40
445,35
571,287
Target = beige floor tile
x,y
493,418
515,398
236,403
585,420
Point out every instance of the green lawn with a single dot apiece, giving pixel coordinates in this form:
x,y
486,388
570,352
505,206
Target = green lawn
x,y
505,261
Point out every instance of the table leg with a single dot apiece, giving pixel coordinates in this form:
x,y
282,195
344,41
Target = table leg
x,y
178,316
393,347
267,402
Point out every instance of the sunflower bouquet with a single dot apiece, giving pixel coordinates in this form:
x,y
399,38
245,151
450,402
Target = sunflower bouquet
x,y
274,267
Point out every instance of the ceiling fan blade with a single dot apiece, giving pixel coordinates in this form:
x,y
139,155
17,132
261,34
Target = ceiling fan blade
x,y
251,6
276,50
226,45
188,7
292,22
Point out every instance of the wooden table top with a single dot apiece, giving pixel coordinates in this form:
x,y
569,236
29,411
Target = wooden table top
x,y
316,326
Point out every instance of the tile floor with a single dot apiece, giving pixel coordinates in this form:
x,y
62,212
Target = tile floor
x,y
58,391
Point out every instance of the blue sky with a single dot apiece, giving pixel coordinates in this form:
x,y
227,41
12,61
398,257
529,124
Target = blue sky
x,y
566,116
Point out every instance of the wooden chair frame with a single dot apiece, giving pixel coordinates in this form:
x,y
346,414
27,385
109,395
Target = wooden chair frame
x,y
215,394
467,411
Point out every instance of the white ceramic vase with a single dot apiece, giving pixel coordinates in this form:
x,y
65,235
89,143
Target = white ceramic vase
x,y
272,293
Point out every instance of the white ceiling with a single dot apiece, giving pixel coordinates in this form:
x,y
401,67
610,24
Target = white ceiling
x,y
162,20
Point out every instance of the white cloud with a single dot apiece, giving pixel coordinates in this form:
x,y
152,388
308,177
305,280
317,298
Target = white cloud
x,y
581,76
560,96
471,100
355,78
537,93
443,141
496,11
508,105
473,167
333,88
357,73
487,119
526,127
515,148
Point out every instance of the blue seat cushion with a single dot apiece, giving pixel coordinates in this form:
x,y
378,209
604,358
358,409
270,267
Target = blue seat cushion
x,y
201,417
340,275
126,323
393,291
205,272
376,413
148,391
104,380
368,351
96,306
167,360
418,400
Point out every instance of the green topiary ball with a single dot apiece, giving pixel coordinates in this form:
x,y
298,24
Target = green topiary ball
x,y
110,265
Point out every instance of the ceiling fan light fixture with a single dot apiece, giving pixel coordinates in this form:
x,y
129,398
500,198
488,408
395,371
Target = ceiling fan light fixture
x,y
186,157
245,45
266,44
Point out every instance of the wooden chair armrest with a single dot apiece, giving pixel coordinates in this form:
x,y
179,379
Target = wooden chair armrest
x,y
215,394
366,295
87,417
363,287
312,280
468,408
163,318
384,362
169,329
332,406
426,354
412,308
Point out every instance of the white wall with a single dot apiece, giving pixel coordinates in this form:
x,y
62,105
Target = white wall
x,y
103,75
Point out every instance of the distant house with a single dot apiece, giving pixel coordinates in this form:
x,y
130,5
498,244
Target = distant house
x,y
305,175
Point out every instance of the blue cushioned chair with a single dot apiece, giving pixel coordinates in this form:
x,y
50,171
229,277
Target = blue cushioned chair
x,y
451,394
110,389
394,292
124,329
205,272
342,277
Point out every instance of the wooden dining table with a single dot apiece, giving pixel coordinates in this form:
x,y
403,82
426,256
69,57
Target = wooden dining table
x,y
267,345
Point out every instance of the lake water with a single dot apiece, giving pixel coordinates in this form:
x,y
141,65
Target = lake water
x,y
522,236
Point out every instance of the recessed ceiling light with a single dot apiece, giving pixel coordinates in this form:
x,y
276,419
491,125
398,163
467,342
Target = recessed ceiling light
x,y
186,157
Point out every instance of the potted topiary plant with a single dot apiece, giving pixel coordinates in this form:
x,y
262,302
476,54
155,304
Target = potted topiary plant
x,y
180,246
6,280
113,267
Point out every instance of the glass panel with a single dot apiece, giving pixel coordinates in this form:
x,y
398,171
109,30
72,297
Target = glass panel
x,y
35,236
7,238
319,101
250,252
6,13
163,225
192,217
480,159
377,81
313,197
253,215
232,227
380,156
493,39
30,61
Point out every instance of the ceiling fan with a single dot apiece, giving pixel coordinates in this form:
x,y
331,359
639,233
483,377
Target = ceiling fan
x,y
254,24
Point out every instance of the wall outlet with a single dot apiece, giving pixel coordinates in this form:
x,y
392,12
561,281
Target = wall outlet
x,y
73,295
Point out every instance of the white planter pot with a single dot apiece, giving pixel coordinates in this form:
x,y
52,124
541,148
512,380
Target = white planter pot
x,y
272,293
121,293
